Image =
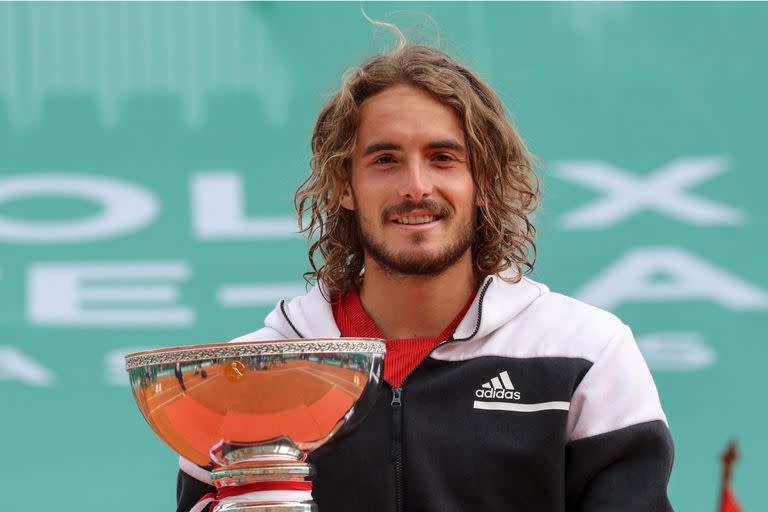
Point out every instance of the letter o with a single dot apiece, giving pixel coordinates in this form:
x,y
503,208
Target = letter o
x,y
126,208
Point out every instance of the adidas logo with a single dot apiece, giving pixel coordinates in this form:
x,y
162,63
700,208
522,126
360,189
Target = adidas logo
x,y
498,387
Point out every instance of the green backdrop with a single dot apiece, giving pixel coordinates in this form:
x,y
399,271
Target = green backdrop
x,y
149,153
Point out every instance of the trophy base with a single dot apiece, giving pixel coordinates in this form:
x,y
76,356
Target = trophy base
x,y
295,506
265,487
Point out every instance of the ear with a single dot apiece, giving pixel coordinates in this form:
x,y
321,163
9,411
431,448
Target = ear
x,y
348,198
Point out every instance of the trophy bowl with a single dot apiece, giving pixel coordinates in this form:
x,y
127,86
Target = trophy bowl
x,y
251,412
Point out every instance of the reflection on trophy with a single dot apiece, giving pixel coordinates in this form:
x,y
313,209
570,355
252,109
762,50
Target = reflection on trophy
x,y
253,411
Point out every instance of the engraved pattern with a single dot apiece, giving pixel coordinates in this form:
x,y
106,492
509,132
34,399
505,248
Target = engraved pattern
x,y
235,350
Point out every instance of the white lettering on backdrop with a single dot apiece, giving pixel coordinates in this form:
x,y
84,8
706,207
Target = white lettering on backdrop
x,y
267,294
684,277
125,208
218,211
107,294
676,351
663,191
15,365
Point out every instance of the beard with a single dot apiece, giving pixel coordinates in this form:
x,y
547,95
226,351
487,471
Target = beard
x,y
416,263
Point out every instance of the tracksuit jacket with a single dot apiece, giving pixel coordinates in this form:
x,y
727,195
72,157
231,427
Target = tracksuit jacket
x,y
536,403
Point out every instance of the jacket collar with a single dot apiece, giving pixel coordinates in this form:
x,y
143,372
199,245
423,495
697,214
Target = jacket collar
x,y
497,302
306,316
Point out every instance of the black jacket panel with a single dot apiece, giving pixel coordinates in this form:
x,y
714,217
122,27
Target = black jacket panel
x,y
627,470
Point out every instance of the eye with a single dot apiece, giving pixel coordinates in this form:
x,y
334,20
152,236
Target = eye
x,y
384,159
444,157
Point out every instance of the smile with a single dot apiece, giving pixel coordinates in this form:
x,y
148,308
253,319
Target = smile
x,y
417,219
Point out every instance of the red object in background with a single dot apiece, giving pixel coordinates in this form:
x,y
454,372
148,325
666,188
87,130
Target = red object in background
x,y
728,501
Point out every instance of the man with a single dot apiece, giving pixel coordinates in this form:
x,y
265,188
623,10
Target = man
x,y
499,394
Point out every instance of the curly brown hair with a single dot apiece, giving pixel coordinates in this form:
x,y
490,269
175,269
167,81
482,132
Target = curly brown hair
x,y
505,179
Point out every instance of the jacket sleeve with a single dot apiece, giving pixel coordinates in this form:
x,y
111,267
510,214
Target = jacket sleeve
x,y
619,454
189,490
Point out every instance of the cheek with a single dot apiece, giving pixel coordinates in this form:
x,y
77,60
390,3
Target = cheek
x,y
462,194
372,194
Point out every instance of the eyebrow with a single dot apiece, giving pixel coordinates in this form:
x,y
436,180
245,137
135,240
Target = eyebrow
x,y
389,146
446,144
381,146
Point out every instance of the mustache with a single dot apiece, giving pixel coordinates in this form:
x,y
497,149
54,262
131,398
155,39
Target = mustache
x,y
407,207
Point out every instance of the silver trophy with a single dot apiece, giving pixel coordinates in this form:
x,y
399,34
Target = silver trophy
x,y
253,411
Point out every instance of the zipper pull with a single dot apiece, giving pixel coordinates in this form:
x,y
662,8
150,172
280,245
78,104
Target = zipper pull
x,y
396,397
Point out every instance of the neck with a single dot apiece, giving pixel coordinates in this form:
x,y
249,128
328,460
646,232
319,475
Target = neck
x,y
404,306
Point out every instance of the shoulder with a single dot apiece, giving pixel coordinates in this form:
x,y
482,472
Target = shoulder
x,y
528,320
306,316
575,328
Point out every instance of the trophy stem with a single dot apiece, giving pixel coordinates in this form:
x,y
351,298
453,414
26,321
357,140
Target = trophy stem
x,y
264,487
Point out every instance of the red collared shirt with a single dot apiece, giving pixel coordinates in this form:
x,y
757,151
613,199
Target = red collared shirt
x,y
403,355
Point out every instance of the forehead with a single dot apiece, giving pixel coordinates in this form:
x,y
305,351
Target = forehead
x,y
406,112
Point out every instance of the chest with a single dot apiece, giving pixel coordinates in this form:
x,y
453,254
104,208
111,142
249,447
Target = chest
x,y
462,432
494,408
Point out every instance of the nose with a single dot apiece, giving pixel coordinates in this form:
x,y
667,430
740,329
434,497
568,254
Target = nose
x,y
415,181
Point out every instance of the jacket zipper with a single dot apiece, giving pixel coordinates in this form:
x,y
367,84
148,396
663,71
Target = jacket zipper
x,y
397,409
397,433
397,446
397,400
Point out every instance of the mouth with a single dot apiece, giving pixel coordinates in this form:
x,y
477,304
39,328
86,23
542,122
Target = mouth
x,y
415,220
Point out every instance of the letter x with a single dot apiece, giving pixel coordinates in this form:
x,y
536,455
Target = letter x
x,y
663,191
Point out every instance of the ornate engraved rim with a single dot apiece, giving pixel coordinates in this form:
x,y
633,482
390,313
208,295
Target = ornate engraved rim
x,y
254,348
